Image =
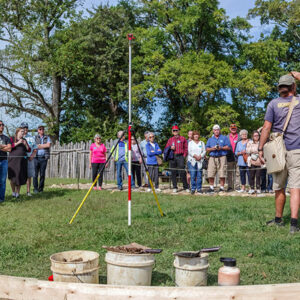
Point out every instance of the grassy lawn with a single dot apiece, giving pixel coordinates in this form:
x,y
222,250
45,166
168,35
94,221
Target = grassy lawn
x,y
34,228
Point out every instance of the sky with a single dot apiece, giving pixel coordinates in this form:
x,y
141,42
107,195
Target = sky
x,y
233,9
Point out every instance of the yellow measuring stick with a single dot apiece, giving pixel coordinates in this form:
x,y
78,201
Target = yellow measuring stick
x,y
155,196
87,194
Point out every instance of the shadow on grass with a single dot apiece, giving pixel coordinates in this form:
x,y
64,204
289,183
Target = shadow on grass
x,y
159,278
45,195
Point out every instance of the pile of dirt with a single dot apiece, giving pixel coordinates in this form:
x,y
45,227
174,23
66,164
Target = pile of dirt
x,y
132,248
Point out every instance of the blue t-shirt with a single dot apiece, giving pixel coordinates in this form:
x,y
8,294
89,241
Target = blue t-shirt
x,y
277,111
121,151
222,141
240,147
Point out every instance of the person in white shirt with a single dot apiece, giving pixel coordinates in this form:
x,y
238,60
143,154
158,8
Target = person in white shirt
x,y
196,154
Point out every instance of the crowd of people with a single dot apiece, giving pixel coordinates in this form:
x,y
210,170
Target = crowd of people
x,y
27,159
234,157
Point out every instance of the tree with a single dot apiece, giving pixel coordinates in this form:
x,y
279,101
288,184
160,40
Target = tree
x,y
94,56
30,78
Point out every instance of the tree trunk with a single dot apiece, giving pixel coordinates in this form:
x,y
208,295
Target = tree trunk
x,y
56,106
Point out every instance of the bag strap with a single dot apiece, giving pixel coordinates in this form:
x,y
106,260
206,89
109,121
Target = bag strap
x,y
291,108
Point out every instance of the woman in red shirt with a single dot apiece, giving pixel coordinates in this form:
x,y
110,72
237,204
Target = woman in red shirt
x,y
97,158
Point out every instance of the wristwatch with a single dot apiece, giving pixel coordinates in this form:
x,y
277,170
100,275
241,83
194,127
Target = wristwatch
x,y
260,150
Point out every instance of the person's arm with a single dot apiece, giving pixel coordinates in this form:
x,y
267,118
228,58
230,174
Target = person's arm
x,y
185,148
296,75
227,145
208,147
149,152
6,148
33,154
90,158
158,150
237,148
265,132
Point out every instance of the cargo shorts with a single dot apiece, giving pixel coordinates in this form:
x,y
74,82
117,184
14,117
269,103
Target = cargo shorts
x,y
291,172
216,164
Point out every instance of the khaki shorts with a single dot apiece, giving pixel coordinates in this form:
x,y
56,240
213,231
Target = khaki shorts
x,y
291,172
216,164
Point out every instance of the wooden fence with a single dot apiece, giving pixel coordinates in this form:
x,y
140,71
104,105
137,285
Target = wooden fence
x,y
72,161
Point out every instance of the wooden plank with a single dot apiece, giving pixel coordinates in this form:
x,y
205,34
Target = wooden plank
x,y
28,288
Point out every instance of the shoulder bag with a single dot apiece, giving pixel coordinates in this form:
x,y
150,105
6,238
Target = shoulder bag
x,y
274,150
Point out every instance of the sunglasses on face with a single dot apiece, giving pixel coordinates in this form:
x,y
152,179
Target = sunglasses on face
x,y
1,124
151,136
175,130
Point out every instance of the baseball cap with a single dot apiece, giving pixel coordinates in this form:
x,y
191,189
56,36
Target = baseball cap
x,y
286,80
233,126
216,126
175,127
24,125
41,126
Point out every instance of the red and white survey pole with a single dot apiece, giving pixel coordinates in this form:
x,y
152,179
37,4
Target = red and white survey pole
x,y
130,38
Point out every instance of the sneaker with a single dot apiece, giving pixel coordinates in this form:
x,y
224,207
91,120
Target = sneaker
x,y
200,192
192,192
271,191
120,188
251,192
272,222
229,190
174,191
263,191
258,192
14,194
221,190
241,191
210,191
99,188
294,229
17,195
158,190
28,194
187,190
35,191
149,190
95,188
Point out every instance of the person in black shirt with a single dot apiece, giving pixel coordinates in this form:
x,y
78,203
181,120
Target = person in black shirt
x,y
5,146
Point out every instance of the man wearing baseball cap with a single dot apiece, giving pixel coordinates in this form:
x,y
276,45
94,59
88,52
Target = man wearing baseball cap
x,y
275,118
40,161
233,172
30,155
217,147
180,147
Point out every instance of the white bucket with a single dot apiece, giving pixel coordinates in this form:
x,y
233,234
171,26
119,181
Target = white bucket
x,y
129,269
191,271
75,266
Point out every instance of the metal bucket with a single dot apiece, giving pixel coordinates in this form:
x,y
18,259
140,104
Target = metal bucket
x,y
129,269
75,266
191,271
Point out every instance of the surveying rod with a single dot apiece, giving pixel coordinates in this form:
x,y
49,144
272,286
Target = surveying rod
x,y
130,37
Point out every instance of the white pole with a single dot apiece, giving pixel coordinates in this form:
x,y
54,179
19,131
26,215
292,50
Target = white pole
x,y
129,134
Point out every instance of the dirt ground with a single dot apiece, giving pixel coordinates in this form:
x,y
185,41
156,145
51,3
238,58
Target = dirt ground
x,y
165,189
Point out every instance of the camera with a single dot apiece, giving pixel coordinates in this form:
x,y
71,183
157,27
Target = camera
x,y
218,147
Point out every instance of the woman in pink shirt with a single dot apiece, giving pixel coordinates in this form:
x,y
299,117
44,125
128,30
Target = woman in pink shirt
x,y
97,158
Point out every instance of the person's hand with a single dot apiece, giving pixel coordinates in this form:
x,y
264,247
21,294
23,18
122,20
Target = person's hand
x,y
243,151
173,147
140,161
30,158
296,75
19,142
90,166
261,156
106,166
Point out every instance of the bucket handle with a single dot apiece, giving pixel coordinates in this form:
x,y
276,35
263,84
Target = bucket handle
x,y
77,276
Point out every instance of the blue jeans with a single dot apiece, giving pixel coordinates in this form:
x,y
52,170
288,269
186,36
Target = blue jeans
x,y
3,175
270,182
243,171
119,165
40,165
195,173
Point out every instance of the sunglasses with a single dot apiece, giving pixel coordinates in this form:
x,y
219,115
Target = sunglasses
x,y
152,136
175,130
1,124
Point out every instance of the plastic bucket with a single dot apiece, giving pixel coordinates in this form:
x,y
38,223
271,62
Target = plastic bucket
x,y
129,269
191,271
75,266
